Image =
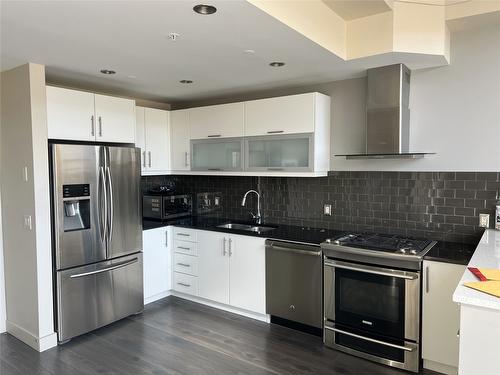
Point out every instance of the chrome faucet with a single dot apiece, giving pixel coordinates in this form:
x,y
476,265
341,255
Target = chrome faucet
x,y
257,217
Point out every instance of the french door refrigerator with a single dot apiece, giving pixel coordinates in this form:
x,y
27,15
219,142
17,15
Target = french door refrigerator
x,y
97,235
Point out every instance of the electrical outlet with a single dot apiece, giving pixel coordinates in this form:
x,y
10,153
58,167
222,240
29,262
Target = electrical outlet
x,y
327,209
484,220
216,201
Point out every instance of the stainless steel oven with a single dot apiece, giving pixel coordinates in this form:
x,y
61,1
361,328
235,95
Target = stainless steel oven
x,y
373,312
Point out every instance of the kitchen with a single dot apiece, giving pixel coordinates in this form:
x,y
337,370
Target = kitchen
x,y
270,199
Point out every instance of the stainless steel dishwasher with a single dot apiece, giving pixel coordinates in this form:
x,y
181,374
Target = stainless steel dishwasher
x,y
294,283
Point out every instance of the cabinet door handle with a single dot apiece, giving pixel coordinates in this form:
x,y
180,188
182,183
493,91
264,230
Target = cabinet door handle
x,y
275,169
230,245
144,159
186,159
224,252
214,169
92,126
186,285
213,135
100,126
149,153
166,238
275,132
427,279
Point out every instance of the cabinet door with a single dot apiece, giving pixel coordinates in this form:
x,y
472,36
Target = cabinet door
x,y
217,155
70,114
115,119
280,153
157,140
440,315
282,115
247,269
140,135
179,136
217,121
213,266
157,263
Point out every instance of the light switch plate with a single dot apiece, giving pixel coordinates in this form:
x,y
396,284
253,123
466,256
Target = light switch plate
x,y
327,209
27,222
484,220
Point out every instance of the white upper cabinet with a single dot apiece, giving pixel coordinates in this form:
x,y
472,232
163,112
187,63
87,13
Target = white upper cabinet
x,y
179,140
70,114
83,116
115,119
282,115
152,135
217,121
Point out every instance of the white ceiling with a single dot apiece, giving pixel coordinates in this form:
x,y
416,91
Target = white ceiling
x,y
75,39
349,9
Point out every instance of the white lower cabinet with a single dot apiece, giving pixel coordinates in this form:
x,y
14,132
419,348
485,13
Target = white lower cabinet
x,y
227,269
213,266
247,273
157,263
440,316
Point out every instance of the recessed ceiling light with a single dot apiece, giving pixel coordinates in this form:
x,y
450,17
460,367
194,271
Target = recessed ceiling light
x,y
277,64
186,81
204,9
132,77
249,51
173,36
107,71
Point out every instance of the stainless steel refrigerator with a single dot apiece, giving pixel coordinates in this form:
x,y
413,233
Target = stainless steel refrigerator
x,y
97,235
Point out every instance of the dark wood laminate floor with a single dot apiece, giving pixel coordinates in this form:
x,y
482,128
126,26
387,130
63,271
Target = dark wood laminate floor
x,y
174,336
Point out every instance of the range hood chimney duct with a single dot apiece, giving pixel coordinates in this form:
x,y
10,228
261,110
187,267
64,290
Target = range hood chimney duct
x,y
387,110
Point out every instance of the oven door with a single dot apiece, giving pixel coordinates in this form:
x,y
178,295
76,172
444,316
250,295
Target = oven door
x,y
376,300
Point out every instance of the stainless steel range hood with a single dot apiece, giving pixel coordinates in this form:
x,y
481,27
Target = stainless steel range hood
x,y
388,114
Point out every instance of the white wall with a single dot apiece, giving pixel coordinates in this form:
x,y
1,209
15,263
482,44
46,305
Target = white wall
x,y
454,112
27,253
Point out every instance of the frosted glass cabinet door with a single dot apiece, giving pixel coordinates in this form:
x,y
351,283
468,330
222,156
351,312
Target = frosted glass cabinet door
x,y
280,153
217,155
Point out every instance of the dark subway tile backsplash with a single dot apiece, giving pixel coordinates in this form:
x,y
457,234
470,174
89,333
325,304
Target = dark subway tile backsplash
x,y
435,205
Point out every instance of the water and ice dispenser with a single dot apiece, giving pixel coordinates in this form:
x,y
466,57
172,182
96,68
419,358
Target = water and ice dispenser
x,y
76,200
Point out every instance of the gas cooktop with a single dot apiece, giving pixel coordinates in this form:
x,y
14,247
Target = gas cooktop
x,y
378,249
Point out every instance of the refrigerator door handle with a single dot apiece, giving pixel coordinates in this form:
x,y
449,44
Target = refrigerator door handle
x,y
103,218
110,205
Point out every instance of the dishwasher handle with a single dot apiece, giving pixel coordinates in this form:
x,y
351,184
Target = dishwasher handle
x,y
294,248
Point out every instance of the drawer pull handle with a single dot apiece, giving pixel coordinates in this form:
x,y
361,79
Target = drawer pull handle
x,y
183,234
275,132
186,285
184,248
213,135
183,264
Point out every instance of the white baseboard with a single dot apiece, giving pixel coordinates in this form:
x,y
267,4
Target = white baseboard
x,y
249,314
440,367
40,344
156,297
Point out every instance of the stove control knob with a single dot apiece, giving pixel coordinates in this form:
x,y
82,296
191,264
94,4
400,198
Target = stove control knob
x,y
328,240
402,251
413,252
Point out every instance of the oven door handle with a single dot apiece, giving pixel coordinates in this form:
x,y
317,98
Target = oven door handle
x,y
399,274
405,348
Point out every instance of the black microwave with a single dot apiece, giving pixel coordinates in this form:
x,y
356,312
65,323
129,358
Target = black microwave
x,y
163,207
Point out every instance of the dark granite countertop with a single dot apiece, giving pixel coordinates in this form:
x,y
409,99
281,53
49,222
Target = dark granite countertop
x,y
306,235
451,252
447,252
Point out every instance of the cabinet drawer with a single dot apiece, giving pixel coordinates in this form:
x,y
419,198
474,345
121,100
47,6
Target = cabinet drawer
x,y
185,283
185,234
185,247
186,264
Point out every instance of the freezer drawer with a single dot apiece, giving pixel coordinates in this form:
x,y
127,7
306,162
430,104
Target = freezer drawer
x,y
93,296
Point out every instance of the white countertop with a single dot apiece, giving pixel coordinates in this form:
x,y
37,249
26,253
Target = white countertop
x,y
486,255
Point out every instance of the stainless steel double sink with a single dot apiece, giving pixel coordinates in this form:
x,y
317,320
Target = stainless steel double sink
x,y
256,228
